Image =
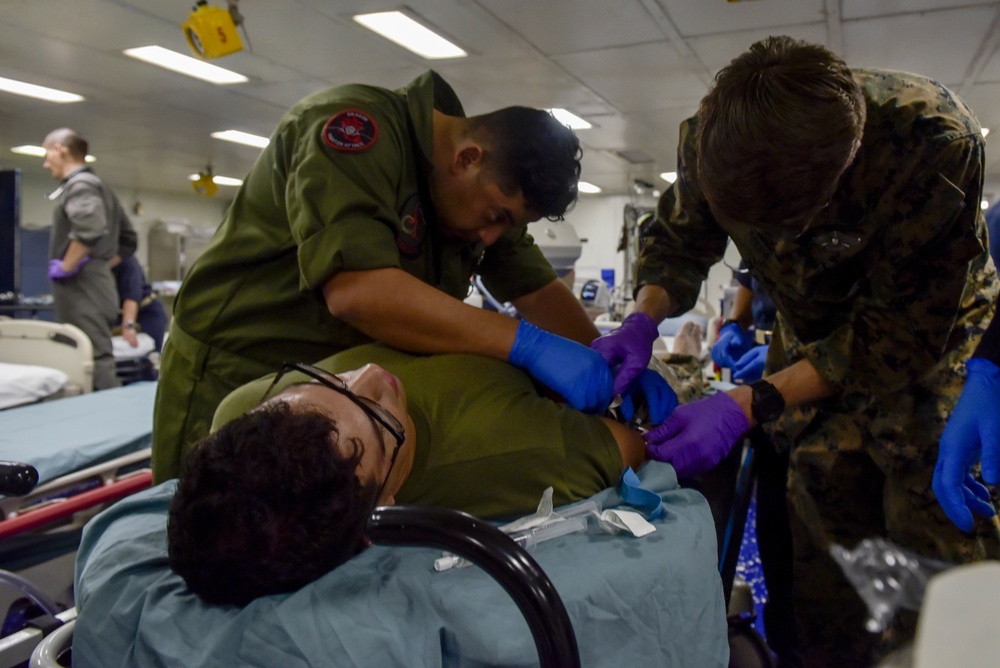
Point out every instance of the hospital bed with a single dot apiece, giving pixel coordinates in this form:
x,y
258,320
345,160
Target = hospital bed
x,y
657,598
34,348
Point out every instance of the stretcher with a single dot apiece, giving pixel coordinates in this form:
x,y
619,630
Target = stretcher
x,y
656,598
87,452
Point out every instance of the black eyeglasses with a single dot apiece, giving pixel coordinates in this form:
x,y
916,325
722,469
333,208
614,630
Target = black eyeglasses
x,y
372,409
375,411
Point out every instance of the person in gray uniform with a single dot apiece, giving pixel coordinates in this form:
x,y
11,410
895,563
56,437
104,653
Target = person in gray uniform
x,y
88,227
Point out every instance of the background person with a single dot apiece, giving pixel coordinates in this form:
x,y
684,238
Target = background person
x,y
141,311
363,220
739,346
88,225
971,439
862,219
474,434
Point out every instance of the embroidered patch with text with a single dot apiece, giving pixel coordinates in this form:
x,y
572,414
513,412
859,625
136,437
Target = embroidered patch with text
x,y
350,131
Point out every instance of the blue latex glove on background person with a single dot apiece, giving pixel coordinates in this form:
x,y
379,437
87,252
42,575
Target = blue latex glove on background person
x,y
628,349
580,375
699,435
659,397
733,343
972,435
750,367
56,271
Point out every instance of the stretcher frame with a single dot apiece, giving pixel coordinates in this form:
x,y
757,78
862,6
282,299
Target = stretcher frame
x,y
55,501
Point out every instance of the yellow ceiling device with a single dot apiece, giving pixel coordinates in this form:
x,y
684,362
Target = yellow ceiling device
x,y
204,184
211,31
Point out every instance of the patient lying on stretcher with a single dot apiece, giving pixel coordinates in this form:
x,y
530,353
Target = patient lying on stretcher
x,y
280,492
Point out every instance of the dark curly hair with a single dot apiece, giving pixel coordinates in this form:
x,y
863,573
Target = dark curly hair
x,y
528,150
775,131
266,505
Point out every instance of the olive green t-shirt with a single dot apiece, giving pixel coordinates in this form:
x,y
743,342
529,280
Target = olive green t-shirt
x,y
487,442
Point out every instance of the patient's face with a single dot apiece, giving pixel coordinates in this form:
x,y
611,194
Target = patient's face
x,y
355,426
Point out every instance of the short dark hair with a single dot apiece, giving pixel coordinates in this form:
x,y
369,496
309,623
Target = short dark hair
x,y
75,144
528,150
775,131
266,505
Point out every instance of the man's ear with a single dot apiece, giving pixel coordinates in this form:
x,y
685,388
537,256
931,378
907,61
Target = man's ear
x,y
469,155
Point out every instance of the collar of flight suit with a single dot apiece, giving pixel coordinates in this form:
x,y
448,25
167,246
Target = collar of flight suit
x,y
423,95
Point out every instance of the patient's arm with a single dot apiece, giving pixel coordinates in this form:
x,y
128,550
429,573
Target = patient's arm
x,y
630,443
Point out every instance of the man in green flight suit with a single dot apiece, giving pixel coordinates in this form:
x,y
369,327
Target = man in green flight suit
x,y
854,197
364,219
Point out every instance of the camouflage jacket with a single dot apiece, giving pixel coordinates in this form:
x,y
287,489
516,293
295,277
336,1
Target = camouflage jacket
x,y
892,274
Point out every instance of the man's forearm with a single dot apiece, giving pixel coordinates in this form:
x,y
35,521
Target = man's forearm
x,y
798,384
655,302
392,306
130,310
554,308
74,254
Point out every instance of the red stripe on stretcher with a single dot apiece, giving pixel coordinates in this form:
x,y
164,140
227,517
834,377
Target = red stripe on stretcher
x,y
32,519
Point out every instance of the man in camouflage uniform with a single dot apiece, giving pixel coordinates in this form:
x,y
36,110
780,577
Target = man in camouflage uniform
x,y
854,198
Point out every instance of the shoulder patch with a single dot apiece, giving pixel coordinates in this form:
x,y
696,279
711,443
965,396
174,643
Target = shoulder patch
x,y
350,131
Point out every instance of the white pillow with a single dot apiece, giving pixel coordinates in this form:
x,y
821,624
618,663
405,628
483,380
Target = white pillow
x,y
25,383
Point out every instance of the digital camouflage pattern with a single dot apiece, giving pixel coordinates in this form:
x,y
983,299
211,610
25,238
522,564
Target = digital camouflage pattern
x,y
886,293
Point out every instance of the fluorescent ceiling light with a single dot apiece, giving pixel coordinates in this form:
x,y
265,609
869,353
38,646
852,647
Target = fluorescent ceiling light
x,y
669,177
192,67
39,152
242,138
38,92
569,118
401,29
588,188
986,131
220,180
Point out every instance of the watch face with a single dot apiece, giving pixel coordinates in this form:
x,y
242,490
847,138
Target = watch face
x,y
768,403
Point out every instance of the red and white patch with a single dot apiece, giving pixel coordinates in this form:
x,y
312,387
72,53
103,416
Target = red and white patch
x,y
350,131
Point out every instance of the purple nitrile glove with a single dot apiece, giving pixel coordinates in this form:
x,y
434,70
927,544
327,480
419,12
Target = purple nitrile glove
x,y
972,435
699,435
56,271
572,369
660,398
733,343
751,366
629,348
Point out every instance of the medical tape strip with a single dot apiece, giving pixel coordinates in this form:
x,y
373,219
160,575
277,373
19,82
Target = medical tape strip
x,y
645,500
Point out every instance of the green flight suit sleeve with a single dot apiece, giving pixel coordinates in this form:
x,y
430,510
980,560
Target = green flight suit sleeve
x,y
341,203
685,241
901,322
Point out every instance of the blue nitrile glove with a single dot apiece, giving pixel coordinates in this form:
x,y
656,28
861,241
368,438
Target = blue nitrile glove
x,y
628,348
733,343
971,435
660,398
699,435
751,365
577,373
56,271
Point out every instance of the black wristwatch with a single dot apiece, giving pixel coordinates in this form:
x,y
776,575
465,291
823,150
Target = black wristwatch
x,y
767,403
128,324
